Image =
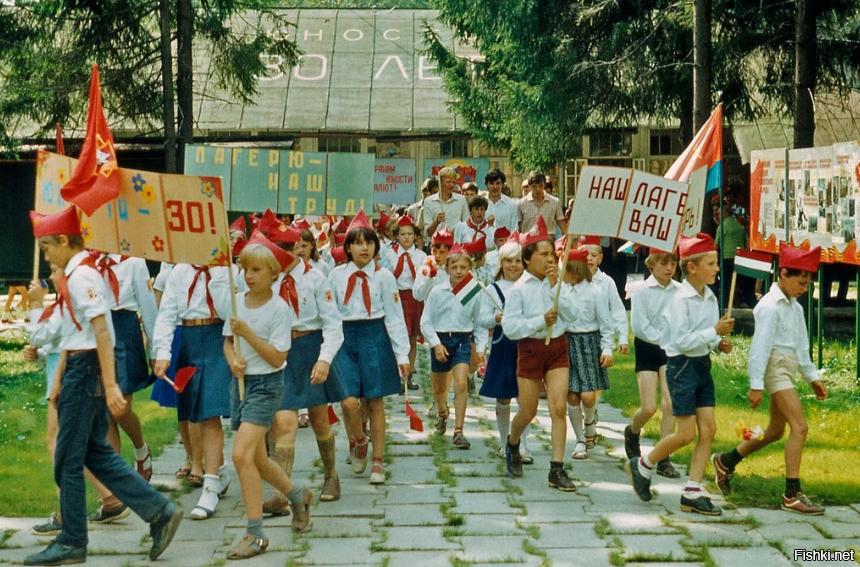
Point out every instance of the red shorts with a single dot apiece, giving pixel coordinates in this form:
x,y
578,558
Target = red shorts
x,y
412,310
535,359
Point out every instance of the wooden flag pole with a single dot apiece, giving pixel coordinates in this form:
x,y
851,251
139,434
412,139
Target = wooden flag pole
x,y
567,242
36,251
487,291
732,294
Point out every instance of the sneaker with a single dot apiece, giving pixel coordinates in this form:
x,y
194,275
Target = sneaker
x,y
411,383
144,465
631,443
722,475
441,424
472,387
377,474
58,554
249,546
50,528
102,516
665,468
163,528
460,441
359,458
558,479
801,504
641,483
700,505
514,460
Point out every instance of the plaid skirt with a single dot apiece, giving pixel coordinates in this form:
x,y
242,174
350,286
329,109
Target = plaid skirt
x,y
412,310
586,375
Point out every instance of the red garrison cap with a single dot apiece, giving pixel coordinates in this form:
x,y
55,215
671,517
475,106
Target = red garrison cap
x,y
302,224
797,259
383,221
239,246
514,237
537,233
587,240
238,225
340,238
268,222
476,246
283,257
65,222
443,236
502,232
359,221
406,220
578,255
697,245
286,235
339,254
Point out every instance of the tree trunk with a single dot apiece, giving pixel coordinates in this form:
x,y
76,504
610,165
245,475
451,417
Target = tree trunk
x,y
686,111
167,87
184,78
701,63
804,75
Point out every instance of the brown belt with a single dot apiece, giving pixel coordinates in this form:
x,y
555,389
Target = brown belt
x,y
82,351
297,334
202,322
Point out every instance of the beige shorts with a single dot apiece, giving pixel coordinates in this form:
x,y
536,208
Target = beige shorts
x,y
781,371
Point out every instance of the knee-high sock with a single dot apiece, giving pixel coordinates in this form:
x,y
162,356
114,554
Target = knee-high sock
x,y
524,437
590,430
503,421
574,414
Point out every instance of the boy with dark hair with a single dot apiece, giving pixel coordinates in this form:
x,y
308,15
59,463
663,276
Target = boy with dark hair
x,y
779,349
476,226
88,388
695,329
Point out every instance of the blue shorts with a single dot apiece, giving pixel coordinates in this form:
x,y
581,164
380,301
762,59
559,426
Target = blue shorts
x,y
263,394
459,346
690,384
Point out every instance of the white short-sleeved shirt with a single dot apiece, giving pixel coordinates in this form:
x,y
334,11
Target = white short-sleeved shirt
x,y
272,322
89,299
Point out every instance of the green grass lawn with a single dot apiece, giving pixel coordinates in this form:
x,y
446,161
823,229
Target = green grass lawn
x,y
831,457
27,486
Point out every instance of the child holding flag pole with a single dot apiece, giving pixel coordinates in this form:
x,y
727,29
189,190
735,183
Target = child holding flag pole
x,y
448,324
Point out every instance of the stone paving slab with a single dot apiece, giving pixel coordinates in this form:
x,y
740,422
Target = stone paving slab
x,y
792,530
478,484
411,515
723,535
665,547
580,557
789,546
414,494
338,551
483,503
555,512
729,557
415,558
637,523
493,548
555,536
415,539
489,524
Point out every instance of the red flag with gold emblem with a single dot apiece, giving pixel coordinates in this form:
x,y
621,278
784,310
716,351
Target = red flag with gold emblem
x,y
95,180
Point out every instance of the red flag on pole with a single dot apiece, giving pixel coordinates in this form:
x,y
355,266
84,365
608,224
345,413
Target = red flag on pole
x,y
61,149
95,181
415,423
332,417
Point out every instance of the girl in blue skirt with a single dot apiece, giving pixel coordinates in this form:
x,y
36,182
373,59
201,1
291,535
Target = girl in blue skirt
x,y
375,352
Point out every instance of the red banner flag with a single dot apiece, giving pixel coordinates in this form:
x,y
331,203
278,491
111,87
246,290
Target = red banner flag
x,y
415,422
61,149
332,417
95,180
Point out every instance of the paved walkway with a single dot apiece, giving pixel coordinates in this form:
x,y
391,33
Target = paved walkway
x,y
442,506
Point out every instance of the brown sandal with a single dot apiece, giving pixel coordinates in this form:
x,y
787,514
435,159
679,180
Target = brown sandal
x,y
330,490
248,547
194,480
302,514
184,470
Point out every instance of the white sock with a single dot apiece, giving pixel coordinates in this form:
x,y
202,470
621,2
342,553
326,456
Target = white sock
x,y
645,467
693,488
590,430
211,488
140,454
524,438
574,414
223,475
503,421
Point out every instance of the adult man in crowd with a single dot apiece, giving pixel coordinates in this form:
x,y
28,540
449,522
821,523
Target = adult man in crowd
x,y
502,211
445,209
538,203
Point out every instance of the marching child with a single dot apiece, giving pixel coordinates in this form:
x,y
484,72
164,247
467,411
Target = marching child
x,y
694,329
262,324
476,226
779,349
647,306
500,380
433,270
529,312
375,352
491,261
197,298
405,258
306,249
448,324
85,393
590,339
317,334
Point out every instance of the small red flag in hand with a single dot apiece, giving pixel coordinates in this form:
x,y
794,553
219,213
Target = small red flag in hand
x,y
182,378
332,417
415,423
95,181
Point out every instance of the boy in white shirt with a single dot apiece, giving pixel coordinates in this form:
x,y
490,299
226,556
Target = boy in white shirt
x,y
695,329
476,226
647,306
779,349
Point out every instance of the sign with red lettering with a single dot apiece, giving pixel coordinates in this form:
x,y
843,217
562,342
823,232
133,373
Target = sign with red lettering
x,y
394,182
691,223
653,211
171,218
600,198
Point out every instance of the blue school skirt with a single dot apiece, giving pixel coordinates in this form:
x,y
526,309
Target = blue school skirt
x,y
162,392
365,363
132,369
207,394
298,390
500,380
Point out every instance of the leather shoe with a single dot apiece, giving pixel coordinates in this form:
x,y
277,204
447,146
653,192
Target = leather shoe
x,y
58,554
163,528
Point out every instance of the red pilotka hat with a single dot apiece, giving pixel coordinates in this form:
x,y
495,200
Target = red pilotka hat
x,y
444,237
340,238
268,222
457,250
514,237
283,257
255,221
338,254
797,259
578,255
238,225
406,220
287,235
340,226
588,240
383,221
475,246
699,244
239,246
65,222
302,224
359,221
501,232
538,233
